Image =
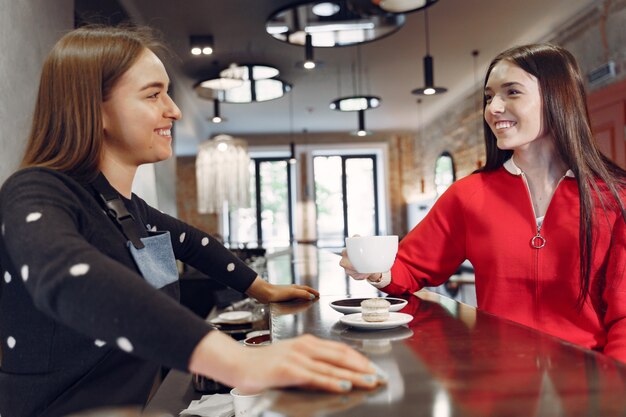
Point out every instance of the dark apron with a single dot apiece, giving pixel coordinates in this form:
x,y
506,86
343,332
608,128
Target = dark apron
x,y
154,254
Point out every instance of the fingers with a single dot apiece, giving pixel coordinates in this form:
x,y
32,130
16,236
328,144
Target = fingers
x,y
304,294
308,362
342,375
322,365
321,375
349,268
308,289
347,265
338,354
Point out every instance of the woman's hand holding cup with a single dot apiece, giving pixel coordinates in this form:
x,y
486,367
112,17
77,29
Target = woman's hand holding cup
x,y
351,270
367,257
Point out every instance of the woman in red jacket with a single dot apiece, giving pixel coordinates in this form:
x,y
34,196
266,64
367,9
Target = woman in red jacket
x,y
543,223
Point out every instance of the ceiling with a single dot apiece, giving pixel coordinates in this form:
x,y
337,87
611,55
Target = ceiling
x,y
391,67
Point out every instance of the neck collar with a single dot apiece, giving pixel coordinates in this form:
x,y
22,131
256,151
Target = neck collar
x,y
510,166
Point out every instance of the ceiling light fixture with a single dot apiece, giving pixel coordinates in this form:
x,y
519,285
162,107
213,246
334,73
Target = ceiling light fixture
x,y
217,118
332,23
249,72
361,131
355,103
358,102
325,9
222,174
201,45
244,83
309,62
429,83
220,84
403,6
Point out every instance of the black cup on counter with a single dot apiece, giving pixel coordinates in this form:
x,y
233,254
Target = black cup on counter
x,y
208,386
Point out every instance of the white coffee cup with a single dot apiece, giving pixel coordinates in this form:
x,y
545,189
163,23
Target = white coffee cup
x,y
244,403
370,254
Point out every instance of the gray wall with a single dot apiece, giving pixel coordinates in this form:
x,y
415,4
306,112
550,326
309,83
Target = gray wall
x,y
28,29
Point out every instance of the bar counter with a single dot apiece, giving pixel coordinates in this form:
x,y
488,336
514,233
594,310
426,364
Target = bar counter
x,y
450,360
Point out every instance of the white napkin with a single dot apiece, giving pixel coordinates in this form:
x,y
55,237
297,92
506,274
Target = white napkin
x,y
216,405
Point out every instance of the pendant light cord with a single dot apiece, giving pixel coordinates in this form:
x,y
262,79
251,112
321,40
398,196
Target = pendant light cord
x,y
427,36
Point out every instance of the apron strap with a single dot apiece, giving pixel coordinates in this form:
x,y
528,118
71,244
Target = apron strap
x,y
117,211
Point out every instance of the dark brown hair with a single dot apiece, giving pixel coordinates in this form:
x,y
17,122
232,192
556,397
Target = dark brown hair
x,y
567,119
77,77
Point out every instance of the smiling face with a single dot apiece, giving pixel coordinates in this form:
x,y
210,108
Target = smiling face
x,y
514,109
138,115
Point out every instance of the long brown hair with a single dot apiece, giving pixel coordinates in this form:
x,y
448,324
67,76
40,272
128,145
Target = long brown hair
x,y
77,77
567,118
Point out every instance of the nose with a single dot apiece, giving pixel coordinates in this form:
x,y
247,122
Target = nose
x,y
496,105
171,110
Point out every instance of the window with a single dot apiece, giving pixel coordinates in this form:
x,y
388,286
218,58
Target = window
x,y
444,172
346,198
268,222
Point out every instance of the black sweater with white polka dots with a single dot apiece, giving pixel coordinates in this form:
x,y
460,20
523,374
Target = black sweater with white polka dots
x,y
79,326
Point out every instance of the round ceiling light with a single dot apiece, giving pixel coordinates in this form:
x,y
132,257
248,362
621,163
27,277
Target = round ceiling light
x,y
244,83
403,6
249,72
221,83
349,26
355,103
325,9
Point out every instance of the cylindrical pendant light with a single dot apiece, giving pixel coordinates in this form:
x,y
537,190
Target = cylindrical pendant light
x,y
429,82
309,62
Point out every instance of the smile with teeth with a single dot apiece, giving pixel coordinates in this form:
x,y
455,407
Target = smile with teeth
x,y
164,132
505,124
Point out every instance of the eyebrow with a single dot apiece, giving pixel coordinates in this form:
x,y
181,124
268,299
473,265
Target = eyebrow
x,y
156,84
505,85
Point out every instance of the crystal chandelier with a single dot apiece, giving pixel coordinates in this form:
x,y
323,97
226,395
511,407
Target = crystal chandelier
x,y
222,174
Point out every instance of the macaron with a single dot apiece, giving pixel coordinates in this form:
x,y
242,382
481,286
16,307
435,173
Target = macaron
x,y
375,309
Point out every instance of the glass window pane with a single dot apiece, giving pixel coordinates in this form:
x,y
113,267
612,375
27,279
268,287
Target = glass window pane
x,y
274,203
444,173
328,200
243,220
360,196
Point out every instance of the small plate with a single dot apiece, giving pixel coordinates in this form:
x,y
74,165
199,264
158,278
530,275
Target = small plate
x,y
353,305
233,317
394,320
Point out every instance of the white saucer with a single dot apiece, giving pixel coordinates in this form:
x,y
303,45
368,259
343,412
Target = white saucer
x,y
394,320
233,317
399,304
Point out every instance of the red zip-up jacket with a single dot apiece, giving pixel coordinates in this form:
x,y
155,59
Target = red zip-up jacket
x,y
488,219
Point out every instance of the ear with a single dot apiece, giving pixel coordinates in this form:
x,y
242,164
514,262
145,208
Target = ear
x,y
105,117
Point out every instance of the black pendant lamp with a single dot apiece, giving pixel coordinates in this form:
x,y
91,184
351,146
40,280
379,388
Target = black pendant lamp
x,y
429,83
217,117
309,62
361,131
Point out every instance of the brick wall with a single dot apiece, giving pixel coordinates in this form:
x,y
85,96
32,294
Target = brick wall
x,y
187,197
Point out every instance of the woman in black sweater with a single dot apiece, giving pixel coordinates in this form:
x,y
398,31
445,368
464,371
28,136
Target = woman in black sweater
x,y
88,308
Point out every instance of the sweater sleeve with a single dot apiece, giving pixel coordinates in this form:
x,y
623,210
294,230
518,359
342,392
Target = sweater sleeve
x,y
615,294
201,250
78,285
433,250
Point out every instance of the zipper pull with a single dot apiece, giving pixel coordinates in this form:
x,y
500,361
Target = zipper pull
x,y
538,241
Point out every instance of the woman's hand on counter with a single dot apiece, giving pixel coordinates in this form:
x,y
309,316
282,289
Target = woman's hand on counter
x,y
265,292
306,361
